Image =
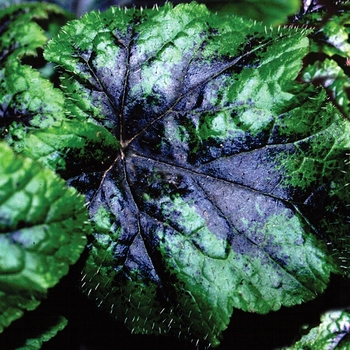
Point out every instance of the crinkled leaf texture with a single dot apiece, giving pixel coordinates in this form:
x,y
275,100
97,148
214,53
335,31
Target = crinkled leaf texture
x,y
27,99
331,334
34,123
228,180
32,114
43,227
25,28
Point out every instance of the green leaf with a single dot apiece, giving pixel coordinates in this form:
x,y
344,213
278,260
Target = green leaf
x,y
327,63
332,35
270,12
34,123
50,332
227,185
28,102
27,99
330,74
332,333
42,231
26,28
71,148
32,112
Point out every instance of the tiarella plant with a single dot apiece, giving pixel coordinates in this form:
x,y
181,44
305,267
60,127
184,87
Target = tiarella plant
x,y
214,174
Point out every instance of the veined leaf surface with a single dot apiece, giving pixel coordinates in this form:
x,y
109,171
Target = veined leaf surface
x,y
228,183
43,227
32,113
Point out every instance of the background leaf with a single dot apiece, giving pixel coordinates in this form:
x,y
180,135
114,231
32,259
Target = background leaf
x,y
27,99
32,112
332,333
36,343
270,12
42,231
327,64
24,31
213,199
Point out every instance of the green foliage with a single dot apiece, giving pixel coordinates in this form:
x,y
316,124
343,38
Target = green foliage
x,y
270,12
328,62
332,333
42,231
28,100
50,332
27,27
216,167
213,179
33,115
25,30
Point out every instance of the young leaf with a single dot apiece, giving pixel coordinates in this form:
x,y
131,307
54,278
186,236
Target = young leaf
x,y
332,333
228,182
42,231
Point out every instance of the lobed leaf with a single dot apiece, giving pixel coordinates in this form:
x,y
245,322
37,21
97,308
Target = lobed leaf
x,y
226,186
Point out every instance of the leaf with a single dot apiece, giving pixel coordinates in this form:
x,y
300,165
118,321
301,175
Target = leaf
x,y
27,100
34,124
267,11
332,333
270,12
42,231
25,29
49,333
327,63
72,147
227,186
329,74
32,112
